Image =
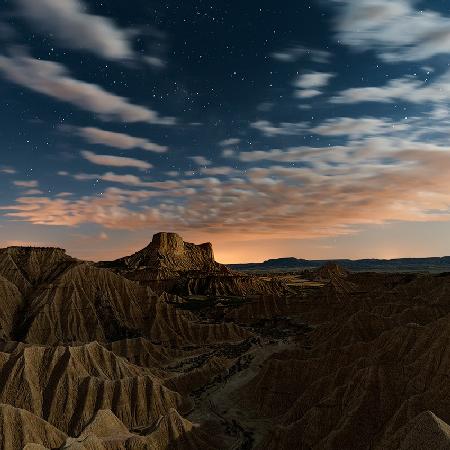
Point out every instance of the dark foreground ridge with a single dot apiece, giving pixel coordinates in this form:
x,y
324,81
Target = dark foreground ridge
x,y
168,349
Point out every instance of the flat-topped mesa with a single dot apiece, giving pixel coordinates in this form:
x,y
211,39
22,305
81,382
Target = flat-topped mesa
x,y
172,244
168,243
168,252
168,264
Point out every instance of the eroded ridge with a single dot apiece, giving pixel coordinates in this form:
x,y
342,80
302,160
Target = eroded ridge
x,y
169,349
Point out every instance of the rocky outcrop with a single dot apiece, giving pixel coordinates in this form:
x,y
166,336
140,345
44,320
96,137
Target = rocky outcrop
x,y
423,432
358,365
107,432
67,386
93,358
167,256
19,427
169,264
331,271
11,304
27,267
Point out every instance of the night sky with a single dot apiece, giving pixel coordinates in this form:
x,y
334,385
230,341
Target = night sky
x,y
316,129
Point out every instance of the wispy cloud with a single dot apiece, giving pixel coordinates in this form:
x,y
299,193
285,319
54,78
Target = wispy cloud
x,y
52,79
33,192
310,84
125,179
155,61
347,126
408,89
8,170
117,140
220,170
313,80
26,184
230,141
293,154
307,93
200,160
350,186
296,52
396,30
70,24
115,161
283,129
228,152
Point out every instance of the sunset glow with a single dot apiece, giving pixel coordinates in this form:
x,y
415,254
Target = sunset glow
x,y
269,130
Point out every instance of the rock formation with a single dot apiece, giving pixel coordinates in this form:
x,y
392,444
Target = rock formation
x,y
168,255
172,265
168,349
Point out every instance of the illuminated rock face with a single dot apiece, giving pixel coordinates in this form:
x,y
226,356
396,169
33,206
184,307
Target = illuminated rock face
x,y
93,360
168,243
172,265
168,251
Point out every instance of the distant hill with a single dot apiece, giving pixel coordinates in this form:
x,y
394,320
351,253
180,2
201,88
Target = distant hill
x,y
437,264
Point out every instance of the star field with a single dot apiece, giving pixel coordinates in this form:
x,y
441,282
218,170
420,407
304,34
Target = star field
x,y
251,124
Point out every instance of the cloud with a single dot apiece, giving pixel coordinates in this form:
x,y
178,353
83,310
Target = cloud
x,y
200,160
227,152
228,142
8,170
408,89
333,192
33,192
310,84
346,126
115,161
26,184
222,170
294,53
155,61
307,93
52,79
69,23
396,30
283,129
118,140
294,154
313,80
126,179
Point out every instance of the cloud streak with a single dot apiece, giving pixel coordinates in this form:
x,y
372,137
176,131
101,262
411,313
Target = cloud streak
x,y
311,84
115,161
355,128
200,160
407,89
394,29
26,184
53,79
297,52
72,26
283,129
118,140
371,181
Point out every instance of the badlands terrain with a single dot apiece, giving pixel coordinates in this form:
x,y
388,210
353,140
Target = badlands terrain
x,y
168,349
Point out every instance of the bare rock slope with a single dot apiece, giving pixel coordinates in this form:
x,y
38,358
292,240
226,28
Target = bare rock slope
x,y
170,264
168,349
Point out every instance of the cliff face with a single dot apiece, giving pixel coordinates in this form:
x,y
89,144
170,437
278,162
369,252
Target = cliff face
x,y
169,264
168,255
93,360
